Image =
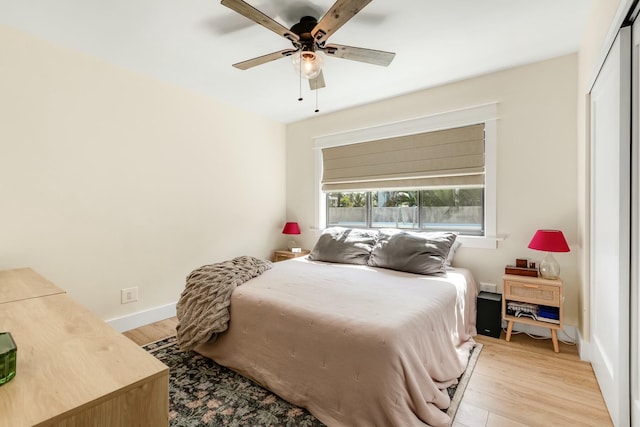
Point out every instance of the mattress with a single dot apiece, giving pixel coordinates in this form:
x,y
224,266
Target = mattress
x,y
355,345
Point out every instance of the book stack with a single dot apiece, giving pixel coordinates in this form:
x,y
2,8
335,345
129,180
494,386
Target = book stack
x,y
549,314
521,271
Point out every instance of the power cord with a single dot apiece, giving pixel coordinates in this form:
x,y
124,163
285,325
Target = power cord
x,y
568,341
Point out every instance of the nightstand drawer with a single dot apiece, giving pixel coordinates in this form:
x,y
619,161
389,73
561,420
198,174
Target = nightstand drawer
x,y
532,293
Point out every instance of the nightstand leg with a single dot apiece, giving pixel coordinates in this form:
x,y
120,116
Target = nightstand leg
x,y
554,338
509,329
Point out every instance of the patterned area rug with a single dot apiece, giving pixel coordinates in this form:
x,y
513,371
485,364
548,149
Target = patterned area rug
x,y
203,393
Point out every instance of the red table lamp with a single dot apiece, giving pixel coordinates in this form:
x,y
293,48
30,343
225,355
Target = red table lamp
x,y
292,228
550,241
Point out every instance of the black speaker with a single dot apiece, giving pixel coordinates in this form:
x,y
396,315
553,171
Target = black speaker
x,y
488,320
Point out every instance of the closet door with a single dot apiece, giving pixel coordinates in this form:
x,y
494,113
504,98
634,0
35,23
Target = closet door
x,y
610,227
635,227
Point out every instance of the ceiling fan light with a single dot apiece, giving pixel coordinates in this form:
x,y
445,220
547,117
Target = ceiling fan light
x,y
308,64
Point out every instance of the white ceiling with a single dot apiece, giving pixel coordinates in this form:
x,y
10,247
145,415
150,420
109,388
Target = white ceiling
x,y
192,43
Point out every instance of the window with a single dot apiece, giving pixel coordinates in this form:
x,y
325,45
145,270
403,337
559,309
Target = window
x,y
444,209
348,209
388,176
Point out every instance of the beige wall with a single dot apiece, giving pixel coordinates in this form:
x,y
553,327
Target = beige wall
x,y
590,55
111,180
537,165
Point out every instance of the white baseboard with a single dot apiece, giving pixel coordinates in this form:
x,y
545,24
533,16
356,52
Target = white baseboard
x,y
584,348
141,318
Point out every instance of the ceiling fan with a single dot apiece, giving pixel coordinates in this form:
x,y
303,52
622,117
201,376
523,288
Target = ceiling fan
x,y
309,36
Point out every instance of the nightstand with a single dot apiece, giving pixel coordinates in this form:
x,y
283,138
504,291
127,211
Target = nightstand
x,y
538,292
285,254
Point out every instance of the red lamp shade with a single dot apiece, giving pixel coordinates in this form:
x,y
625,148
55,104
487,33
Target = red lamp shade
x,y
291,228
549,240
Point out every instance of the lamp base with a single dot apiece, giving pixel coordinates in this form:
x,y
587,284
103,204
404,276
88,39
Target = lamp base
x,y
549,267
292,245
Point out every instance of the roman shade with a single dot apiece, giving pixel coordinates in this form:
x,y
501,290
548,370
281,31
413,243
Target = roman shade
x,y
445,158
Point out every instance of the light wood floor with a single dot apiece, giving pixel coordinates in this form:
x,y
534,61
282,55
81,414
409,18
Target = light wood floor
x,y
514,384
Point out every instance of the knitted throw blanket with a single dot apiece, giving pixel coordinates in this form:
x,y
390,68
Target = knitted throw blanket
x,y
203,307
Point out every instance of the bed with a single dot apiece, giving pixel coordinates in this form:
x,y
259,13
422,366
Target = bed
x,y
354,344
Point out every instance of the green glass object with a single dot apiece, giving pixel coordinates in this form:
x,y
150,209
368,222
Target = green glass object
x,y
8,357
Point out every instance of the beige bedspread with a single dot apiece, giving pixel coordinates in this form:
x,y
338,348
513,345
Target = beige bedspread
x,y
355,345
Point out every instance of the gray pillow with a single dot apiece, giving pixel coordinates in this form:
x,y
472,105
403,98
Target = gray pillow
x,y
413,252
344,245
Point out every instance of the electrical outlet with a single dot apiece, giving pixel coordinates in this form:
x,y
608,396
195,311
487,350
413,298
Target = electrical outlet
x,y
489,287
128,295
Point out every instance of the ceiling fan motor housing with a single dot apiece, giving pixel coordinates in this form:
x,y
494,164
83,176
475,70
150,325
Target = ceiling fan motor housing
x,y
303,30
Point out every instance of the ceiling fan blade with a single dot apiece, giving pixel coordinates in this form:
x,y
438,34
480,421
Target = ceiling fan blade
x,y
317,83
371,56
244,65
245,9
336,17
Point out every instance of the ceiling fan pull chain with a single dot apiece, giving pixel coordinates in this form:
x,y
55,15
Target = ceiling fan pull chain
x,y
300,83
317,110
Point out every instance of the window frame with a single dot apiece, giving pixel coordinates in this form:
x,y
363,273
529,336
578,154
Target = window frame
x,y
487,114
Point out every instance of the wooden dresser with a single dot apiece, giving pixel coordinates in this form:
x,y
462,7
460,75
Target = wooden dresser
x,y
73,369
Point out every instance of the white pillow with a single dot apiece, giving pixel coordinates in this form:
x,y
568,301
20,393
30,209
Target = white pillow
x,y
452,252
